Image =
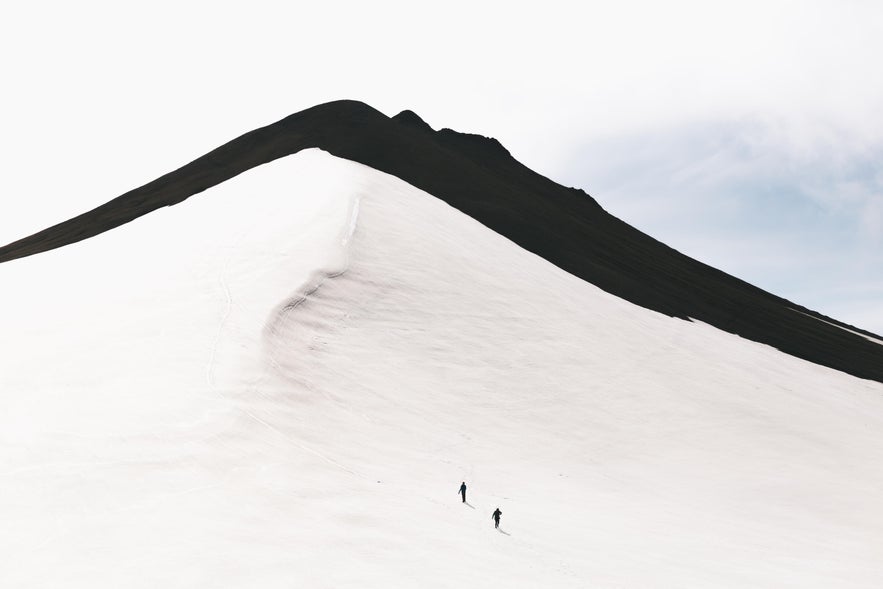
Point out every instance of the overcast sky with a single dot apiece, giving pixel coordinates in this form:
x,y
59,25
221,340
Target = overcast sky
x,y
746,134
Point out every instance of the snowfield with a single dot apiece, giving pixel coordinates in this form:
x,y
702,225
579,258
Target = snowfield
x,y
283,381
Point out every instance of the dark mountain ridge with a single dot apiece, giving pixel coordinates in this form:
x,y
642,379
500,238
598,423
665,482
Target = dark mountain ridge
x,y
479,176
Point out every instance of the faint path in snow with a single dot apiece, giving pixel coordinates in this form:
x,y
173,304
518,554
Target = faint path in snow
x,y
303,446
228,308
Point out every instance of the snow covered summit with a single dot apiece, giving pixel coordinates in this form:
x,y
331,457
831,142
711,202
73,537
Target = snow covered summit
x,y
292,394
478,176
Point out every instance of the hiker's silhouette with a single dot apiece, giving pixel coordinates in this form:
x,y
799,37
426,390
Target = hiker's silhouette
x,y
496,515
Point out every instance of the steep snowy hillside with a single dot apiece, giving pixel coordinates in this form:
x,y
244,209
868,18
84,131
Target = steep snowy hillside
x,y
478,176
283,382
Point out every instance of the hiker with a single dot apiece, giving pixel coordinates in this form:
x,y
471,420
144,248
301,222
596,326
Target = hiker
x,y
463,491
496,515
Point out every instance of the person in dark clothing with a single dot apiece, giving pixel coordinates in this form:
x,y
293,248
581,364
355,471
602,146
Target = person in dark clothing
x,y
463,491
496,515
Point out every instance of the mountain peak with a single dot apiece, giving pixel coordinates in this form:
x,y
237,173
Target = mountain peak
x,y
470,143
474,143
478,176
412,119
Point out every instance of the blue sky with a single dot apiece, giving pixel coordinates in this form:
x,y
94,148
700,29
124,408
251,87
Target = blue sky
x,y
806,226
747,135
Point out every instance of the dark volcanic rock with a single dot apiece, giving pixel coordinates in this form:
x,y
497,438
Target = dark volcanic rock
x,y
478,176
410,118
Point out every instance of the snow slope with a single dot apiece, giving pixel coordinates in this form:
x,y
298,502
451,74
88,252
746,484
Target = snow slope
x,y
282,383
